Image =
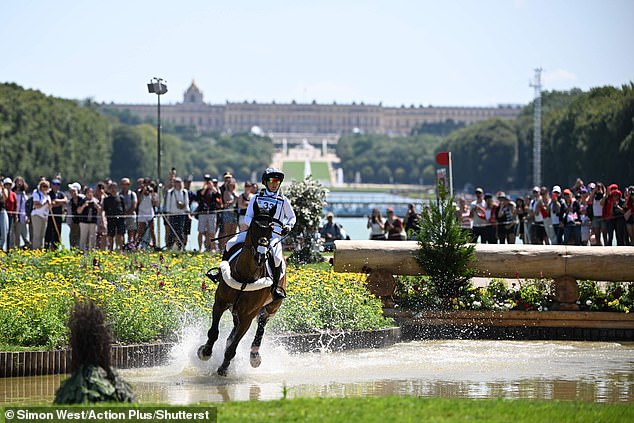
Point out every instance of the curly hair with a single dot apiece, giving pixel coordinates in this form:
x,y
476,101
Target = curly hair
x,y
90,337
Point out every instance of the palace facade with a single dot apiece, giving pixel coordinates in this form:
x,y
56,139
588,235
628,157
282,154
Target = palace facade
x,y
312,118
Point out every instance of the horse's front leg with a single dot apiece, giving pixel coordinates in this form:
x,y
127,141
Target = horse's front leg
x,y
254,357
240,327
204,351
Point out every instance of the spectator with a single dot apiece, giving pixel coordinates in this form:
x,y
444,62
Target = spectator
x,y
556,203
88,209
330,232
628,214
72,215
491,219
11,206
411,222
618,217
209,201
586,220
52,238
148,200
187,228
243,203
114,209
571,219
478,214
229,215
505,215
177,209
39,214
102,222
389,220
19,228
599,227
376,225
463,215
521,218
130,201
396,232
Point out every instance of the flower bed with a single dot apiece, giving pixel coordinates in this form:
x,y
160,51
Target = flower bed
x,y
414,293
149,297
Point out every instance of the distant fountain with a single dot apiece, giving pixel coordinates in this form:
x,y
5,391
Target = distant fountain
x,y
307,169
339,176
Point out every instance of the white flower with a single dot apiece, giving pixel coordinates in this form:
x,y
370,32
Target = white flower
x,y
589,303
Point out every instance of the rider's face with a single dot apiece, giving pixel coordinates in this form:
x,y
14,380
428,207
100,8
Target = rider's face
x,y
273,184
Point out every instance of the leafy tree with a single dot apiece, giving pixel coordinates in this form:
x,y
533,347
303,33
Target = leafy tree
x,y
307,198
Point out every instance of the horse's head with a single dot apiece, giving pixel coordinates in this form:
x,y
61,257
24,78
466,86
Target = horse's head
x,y
260,232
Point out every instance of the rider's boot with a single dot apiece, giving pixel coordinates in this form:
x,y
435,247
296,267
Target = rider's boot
x,y
277,290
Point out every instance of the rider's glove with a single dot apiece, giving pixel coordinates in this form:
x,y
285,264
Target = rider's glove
x,y
285,230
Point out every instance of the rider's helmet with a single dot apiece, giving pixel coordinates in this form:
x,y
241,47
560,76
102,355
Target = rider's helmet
x,y
272,172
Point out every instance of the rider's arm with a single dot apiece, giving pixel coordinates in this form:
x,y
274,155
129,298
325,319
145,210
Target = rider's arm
x,y
289,214
249,216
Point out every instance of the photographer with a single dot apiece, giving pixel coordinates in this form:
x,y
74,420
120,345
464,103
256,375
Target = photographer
x,y
148,201
209,202
376,224
88,209
177,210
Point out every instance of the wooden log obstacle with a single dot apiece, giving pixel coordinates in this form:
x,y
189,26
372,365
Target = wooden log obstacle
x,y
564,264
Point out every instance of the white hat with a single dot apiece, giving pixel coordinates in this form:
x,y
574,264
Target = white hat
x,y
557,189
7,180
75,185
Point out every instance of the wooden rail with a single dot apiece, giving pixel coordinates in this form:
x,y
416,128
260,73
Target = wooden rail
x,y
564,264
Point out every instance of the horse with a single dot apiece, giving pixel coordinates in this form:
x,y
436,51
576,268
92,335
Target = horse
x,y
248,266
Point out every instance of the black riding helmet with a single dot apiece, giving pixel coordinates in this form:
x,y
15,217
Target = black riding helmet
x,y
272,172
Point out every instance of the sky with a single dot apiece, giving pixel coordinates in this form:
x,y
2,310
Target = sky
x,y
393,52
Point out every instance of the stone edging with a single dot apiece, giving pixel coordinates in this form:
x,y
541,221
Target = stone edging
x,y
38,363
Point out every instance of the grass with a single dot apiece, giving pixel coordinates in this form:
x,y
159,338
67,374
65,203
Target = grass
x,y
295,170
415,409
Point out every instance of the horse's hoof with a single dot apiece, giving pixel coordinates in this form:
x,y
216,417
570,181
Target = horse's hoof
x,y
204,352
255,359
222,371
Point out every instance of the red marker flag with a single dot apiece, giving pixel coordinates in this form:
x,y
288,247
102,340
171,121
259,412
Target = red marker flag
x,y
442,158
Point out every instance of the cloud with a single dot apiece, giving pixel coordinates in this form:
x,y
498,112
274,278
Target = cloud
x,y
558,77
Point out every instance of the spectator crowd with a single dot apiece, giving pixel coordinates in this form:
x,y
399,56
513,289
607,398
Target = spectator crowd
x,y
115,215
592,214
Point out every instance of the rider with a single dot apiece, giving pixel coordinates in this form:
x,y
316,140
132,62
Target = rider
x,y
269,197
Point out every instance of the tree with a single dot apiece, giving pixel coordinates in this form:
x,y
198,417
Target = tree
x,y
307,198
445,252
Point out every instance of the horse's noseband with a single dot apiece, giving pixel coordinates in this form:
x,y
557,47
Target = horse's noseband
x,y
262,249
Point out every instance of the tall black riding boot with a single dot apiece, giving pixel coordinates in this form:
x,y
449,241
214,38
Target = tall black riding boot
x,y
278,292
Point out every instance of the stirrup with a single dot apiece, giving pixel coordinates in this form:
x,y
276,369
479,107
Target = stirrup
x,y
214,274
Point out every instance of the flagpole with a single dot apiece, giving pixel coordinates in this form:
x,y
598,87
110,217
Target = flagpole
x,y
450,177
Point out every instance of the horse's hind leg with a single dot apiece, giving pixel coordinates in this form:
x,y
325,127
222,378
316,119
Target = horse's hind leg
x,y
254,357
241,326
204,351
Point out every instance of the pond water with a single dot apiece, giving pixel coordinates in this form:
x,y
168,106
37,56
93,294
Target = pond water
x,y
587,371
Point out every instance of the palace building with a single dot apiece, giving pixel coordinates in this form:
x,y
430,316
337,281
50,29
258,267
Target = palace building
x,y
312,118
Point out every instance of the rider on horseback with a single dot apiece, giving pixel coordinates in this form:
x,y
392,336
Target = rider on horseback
x,y
270,198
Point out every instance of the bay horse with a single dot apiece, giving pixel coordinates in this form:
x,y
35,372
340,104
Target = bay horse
x,y
248,266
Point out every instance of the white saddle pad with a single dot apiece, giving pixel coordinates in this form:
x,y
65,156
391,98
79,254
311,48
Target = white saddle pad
x,y
258,284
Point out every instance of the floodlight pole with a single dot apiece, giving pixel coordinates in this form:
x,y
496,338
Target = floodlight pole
x,y
537,128
158,87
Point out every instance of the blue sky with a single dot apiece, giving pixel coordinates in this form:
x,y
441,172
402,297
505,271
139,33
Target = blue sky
x,y
479,52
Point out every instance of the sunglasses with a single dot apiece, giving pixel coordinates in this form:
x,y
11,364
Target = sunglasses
x,y
274,180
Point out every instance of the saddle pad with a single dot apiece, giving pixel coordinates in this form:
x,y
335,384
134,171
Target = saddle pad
x,y
261,283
